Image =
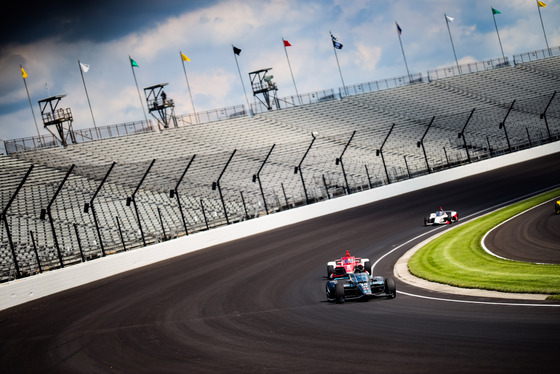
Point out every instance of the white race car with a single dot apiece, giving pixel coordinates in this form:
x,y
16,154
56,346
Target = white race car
x,y
441,217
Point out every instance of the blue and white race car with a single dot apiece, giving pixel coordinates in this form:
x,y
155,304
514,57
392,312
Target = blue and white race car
x,y
360,285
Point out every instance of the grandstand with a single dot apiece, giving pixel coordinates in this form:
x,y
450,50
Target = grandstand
x,y
131,185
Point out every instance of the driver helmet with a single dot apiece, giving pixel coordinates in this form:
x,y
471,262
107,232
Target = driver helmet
x,y
359,268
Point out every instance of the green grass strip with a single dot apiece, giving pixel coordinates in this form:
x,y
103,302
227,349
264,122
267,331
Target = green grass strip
x,y
458,259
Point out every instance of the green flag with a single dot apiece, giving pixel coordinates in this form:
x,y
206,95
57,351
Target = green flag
x,y
496,11
133,63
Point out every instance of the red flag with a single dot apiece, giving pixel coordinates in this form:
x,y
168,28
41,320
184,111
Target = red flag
x,y
287,43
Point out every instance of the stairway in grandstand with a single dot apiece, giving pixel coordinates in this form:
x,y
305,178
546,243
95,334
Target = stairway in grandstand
x,y
408,110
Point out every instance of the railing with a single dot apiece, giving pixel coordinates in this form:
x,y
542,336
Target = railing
x,y
536,55
59,115
382,84
291,101
81,136
212,115
452,71
160,103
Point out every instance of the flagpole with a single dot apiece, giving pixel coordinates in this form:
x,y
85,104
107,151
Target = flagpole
x,y
499,40
338,64
290,66
138,89
243,85
340,72
402,50
452,45
87,96
30,105
188,86
542,24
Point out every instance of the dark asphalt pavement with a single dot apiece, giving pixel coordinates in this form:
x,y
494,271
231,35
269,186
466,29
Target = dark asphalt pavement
x,y
533,236
258,304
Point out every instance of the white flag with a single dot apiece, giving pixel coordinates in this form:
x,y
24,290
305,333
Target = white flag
x,y
450,19
85,67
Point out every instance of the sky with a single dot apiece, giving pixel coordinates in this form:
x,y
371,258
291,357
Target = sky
x,y
49,38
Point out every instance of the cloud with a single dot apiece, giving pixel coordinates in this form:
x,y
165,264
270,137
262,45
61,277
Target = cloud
x,y
367,56
205,31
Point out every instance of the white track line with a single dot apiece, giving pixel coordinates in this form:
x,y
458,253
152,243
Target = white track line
x,y
507,220
479,213
474,301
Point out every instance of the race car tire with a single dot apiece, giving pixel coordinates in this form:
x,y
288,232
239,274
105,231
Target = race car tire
x,y
330,270
425,221
390,288
329,293
367,266
339,292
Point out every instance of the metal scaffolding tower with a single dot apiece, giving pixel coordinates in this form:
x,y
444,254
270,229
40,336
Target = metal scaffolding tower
x,y
157,101
60,118
262,85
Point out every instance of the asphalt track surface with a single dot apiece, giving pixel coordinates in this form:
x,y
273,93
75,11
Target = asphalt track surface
x,y
258,304
533,236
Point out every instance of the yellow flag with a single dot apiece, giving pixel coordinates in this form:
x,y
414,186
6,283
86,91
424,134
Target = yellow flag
x,y
184,57
23,73
541,4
